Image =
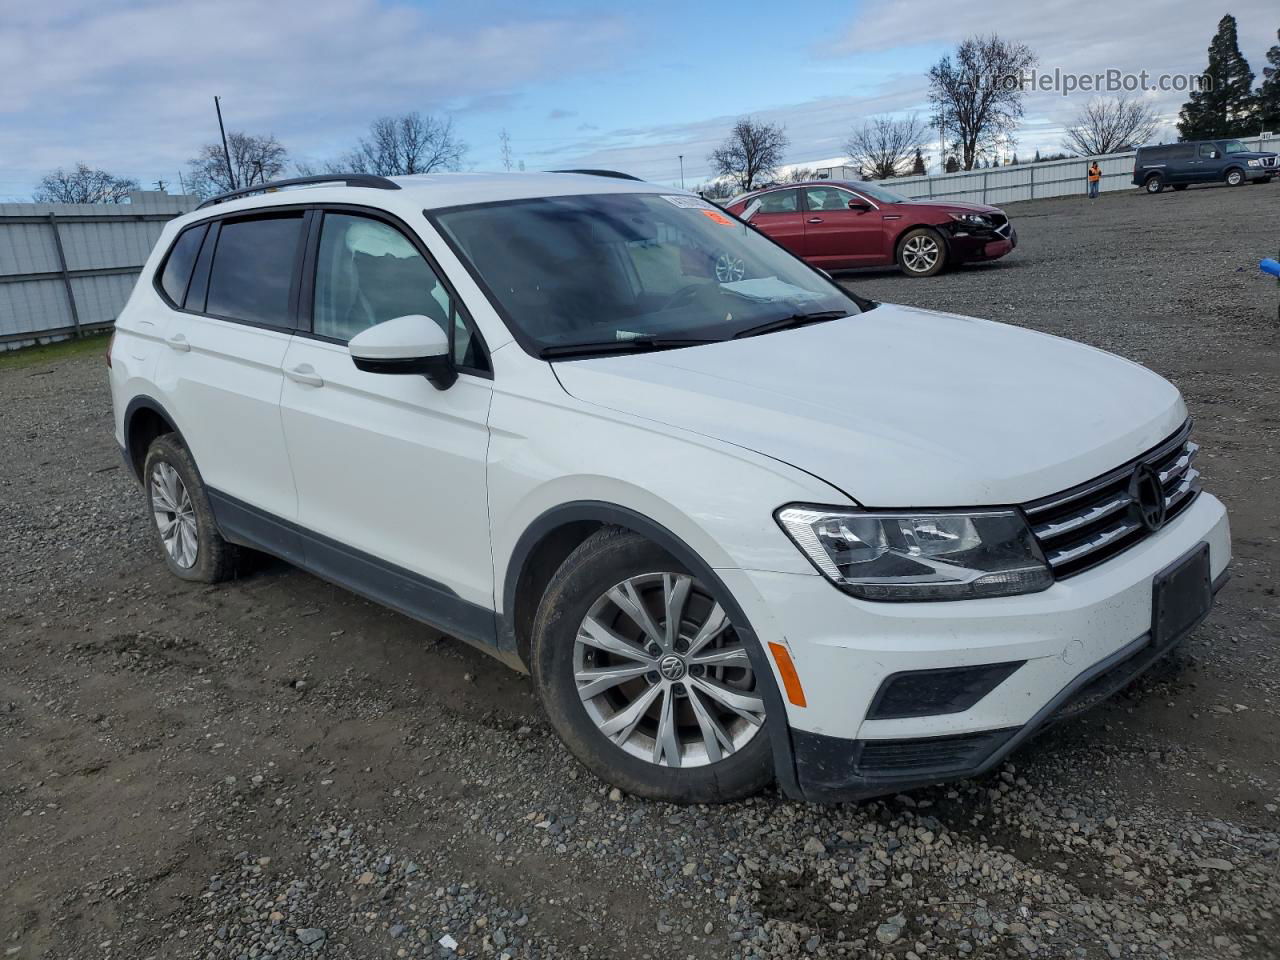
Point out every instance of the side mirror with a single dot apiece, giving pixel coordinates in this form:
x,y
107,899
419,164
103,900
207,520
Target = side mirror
x,y
411,344
859,205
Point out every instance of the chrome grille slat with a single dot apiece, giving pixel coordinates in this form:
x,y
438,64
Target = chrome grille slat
x,y
1045,531
1109,535
1092,522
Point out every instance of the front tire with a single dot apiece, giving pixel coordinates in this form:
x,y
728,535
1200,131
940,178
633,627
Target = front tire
x,y
1235,178
922,252
188,536
1153,183
644,678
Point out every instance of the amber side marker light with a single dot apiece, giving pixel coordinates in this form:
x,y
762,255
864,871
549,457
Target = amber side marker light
x,y
790,679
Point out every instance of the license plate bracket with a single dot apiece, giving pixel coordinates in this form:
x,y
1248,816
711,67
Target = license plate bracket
x,y
1181,596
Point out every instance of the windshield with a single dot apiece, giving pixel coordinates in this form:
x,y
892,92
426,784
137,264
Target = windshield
x,y
1234,146
625,268
880,194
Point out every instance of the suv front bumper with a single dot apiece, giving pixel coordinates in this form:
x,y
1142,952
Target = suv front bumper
x,y
1077,642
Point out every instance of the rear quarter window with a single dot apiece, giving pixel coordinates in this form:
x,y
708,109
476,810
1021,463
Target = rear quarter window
x,y
175,276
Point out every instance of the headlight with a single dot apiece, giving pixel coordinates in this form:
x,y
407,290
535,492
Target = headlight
x,y
1255,163
974,219
920,555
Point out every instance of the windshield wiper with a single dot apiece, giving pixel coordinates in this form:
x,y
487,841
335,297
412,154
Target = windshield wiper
x,y
795,320
633,345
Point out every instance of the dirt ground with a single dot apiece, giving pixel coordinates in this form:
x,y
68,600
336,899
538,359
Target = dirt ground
x,y
274,767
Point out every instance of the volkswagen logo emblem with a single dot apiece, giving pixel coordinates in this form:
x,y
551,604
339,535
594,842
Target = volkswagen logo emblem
x,y
671,667
1148,498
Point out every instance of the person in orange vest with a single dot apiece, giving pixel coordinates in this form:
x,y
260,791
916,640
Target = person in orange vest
x,y
1095,178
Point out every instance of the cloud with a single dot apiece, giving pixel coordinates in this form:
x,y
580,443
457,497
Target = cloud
x,y
558,114
112,82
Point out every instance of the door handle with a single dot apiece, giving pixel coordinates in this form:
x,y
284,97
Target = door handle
x,y
178,342
815,219
305,373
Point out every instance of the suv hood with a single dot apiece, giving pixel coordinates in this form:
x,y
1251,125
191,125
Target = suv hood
x,y
900,407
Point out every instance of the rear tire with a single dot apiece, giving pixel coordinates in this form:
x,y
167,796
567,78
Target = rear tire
x,y
185,530
665,726
1235,178
1153,183
922,252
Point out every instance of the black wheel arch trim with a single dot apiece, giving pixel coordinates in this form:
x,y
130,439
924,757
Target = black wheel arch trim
x,y
615,515
144,402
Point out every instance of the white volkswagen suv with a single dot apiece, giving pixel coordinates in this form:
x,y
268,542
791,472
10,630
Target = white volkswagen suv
x,y
739,523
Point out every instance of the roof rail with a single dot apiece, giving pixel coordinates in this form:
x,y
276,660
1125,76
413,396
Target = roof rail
x,y
349,179
600,173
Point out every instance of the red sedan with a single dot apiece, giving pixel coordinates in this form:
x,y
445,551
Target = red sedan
x,y
838,224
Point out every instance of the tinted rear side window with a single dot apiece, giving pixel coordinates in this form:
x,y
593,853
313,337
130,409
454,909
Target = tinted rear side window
x,y
253,269
177,268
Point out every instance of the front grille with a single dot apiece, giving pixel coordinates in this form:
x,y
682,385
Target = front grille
x,y
1087,525
1270,161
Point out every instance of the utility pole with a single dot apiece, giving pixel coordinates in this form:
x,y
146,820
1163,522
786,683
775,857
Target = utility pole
x,y
681,170
161,184
231,176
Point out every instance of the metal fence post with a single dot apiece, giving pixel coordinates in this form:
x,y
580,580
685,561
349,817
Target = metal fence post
x,y
66,274
1033,182
984,186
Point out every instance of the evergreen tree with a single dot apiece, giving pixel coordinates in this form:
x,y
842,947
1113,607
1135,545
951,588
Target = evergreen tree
x,y
1227,107
1014,161
917,165
1269,92
953,165
1037,156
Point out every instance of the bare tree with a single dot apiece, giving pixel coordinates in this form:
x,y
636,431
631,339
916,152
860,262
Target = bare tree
x,y
1105,126
504,144
885,146
798,175
751,154
977,95
254,158
407,144
83,185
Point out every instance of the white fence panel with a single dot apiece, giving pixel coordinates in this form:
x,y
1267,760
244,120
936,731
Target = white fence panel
x,y
1027,181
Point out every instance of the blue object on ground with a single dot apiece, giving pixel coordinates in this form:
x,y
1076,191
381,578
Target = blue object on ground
x,y
1270,266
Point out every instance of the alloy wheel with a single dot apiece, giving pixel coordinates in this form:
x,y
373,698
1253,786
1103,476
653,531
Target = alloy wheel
x,y
175,515
920,253
663,675
730,269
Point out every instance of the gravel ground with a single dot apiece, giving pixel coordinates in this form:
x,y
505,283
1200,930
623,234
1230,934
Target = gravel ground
x,y
274,767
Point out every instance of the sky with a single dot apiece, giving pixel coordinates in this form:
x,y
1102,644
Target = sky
x,y
128,85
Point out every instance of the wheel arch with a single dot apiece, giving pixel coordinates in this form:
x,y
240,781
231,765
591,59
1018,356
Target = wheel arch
x,y
145,418
1234,168
550,538
916,225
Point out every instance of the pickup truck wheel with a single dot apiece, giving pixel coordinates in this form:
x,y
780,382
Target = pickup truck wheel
x,y
644,678
922,252
1235,178
1153,183
190,543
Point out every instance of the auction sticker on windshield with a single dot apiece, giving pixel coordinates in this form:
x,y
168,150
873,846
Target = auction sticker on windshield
x,y
696,203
